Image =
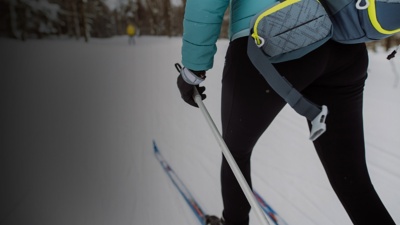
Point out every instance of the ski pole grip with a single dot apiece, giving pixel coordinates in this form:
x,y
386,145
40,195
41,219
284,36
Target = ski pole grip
x,y
196,96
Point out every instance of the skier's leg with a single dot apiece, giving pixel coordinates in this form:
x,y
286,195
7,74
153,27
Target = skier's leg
x,y
247,110
341,148
249,105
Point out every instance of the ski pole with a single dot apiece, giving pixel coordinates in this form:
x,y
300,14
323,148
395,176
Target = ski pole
x,y
231,161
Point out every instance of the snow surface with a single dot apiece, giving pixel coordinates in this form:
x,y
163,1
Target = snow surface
x,y
83,117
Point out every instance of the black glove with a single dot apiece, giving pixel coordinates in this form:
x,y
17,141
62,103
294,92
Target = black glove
x,y
185,88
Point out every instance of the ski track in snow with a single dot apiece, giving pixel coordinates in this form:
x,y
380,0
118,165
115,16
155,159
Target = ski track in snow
x,y
122,97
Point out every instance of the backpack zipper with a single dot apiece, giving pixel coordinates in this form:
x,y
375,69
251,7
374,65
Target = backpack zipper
x,y
268,12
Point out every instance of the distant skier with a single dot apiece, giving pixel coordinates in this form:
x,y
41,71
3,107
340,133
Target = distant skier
x,y
131,31
333,75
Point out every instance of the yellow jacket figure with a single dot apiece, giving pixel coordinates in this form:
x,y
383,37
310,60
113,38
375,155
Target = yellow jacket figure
x,y
130,30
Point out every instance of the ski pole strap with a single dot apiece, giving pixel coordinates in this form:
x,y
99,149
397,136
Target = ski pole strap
x,y
284,88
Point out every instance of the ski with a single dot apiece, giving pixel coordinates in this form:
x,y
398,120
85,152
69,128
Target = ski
x,y
202,217
269,211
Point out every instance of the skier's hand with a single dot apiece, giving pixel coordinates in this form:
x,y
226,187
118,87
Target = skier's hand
x,y
187,81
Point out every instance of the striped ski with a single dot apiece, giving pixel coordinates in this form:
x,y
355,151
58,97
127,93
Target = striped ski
x,y
202,217
269,211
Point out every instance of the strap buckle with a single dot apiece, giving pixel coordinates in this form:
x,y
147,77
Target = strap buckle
x,y
318,124
362,7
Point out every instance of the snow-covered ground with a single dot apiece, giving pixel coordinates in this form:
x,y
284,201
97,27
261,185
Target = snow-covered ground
x,y
80,120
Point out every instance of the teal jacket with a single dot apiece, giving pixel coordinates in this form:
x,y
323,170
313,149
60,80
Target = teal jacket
x,y
202,25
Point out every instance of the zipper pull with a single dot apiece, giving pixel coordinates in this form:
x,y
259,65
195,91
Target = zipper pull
x,y
362,7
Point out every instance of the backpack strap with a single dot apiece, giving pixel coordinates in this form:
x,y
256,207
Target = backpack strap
x,y
284,88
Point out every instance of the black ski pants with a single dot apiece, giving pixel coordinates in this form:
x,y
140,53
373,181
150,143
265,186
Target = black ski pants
x,y
332,75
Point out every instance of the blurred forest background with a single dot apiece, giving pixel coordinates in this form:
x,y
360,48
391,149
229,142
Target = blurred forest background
x,y
25,19
84,19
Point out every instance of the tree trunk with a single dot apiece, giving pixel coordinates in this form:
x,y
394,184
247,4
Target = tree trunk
x,y
152,18
84,22
16,33
167,18
75,16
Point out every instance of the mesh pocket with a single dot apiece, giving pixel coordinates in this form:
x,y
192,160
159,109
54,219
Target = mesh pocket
x,y
294,30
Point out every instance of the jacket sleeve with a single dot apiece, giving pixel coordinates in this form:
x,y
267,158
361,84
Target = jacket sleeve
x,y
201,29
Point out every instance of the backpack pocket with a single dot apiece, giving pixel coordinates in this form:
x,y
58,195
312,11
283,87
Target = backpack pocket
x,y
291,29
383,18
379,20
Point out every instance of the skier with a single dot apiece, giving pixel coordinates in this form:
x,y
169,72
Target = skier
x,y
131,31
333,75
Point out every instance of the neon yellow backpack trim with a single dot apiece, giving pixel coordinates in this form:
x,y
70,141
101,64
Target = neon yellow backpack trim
x,y
268,12
374,20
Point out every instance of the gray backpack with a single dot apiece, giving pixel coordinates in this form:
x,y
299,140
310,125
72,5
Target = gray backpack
x,y
357,21
292,28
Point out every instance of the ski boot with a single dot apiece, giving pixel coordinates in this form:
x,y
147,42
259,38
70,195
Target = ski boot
x,y
213,220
